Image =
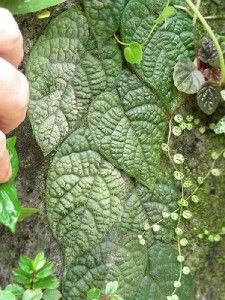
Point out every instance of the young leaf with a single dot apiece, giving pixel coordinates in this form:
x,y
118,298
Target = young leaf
x,y
11,142
49,282
21,277
6,295
15,289
220,126
207,52
186,77
167,12
133,53
32,295
111,288
9,206
23,6
27,212
51,294
25,264
209,97
39,261
93,294
45,271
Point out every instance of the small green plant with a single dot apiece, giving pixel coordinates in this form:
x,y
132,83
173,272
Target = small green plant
x,y
109,294
34,280
11,210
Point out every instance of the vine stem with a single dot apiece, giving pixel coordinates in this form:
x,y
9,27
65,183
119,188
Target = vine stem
x,y
212,36
198,4
119,42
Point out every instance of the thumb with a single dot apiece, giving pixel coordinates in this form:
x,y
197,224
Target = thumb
x,y
5,166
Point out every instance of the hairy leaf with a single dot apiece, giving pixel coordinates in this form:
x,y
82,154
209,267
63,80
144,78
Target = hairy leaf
x,y
24,6
66,72
104,17
167,45
209,97
128,129
84,195
163,271
187,78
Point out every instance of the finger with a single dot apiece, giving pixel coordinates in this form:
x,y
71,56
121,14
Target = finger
x,y
11,40
14,96
5,166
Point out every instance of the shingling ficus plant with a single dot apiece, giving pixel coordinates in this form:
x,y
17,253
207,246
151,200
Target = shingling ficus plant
x,y
113,200
10,209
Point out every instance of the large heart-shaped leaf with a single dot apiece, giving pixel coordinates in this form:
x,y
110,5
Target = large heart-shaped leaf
x,y
163,271
104,17
128,129
66,72
84,195
166,46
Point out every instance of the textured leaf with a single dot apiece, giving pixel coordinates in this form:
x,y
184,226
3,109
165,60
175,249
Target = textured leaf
x,y
119,258
187,78
66,72
24,6
207,52
163,271
209,98
84,195
104,17
9,206
51,295
128,129
167,45
111,287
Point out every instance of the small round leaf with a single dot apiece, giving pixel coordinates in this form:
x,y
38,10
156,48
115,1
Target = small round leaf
x,y
93,294
133,53
186,77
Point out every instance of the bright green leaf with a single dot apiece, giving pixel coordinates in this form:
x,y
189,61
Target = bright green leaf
x,y
22,277
187,78
51,294
49,282
9,206
133,53
94,294
111,287
39,261
6,295
45,271
24,6
15,289
166,13
10,143
25,264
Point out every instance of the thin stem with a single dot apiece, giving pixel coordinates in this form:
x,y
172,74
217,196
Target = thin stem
x,y
213,38
198,4
215,17
184,9
121,43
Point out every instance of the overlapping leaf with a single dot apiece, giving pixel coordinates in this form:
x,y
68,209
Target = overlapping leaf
x,y
104,17
66,72
167,45
163,271
128,129
84,195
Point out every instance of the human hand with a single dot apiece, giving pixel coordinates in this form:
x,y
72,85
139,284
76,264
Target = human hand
x,y
14,89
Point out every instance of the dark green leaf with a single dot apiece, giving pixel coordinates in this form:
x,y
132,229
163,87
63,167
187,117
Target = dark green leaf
x,y
133,53
24,6
51,294
15,289
6,295
9,206
111,287
187,78
11,142
207,52
27,212
209,98
94,294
